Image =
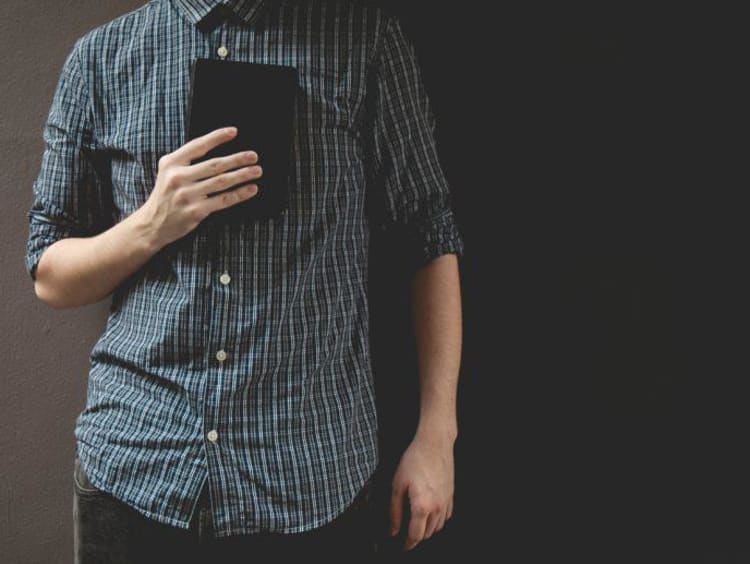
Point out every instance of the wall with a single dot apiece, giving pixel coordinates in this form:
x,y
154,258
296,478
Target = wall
x,y
44,352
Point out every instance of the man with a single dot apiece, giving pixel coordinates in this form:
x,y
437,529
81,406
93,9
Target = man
x,y
230,409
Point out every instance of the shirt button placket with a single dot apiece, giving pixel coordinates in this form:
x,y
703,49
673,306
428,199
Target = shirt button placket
x,y
221,296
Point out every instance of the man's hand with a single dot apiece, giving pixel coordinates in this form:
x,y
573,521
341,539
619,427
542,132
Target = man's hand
x,y
180,198
425,475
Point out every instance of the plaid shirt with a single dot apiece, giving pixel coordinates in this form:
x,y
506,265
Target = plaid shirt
x,y
247,365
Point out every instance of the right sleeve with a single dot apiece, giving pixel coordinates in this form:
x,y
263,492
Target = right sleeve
x,y
410,183
72,194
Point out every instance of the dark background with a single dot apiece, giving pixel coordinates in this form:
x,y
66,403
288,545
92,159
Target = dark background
x,y
590,150
599,422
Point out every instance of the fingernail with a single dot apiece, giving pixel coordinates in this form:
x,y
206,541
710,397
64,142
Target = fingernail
x,y
231,130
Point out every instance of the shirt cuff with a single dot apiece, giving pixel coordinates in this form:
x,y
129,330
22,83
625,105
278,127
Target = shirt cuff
x,y
434,236
43,234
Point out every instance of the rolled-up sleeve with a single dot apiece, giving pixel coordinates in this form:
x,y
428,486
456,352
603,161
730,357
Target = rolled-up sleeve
x,y
410,191
72,195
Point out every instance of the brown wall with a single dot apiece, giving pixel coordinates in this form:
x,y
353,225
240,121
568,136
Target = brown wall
x,y
43,352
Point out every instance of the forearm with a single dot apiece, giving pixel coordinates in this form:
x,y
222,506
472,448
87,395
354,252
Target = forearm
x,y
436,310
81,270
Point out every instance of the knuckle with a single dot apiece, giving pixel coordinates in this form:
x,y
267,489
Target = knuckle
x,y
431,507
180,198
175,176
169,177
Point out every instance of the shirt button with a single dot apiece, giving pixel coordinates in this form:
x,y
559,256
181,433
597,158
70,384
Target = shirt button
x,y
225,278
222,51
221,355
212,435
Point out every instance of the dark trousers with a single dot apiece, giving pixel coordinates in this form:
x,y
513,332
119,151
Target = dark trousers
x,y
108,531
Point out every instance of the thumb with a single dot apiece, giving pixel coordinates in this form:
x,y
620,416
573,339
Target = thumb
x,y
397,506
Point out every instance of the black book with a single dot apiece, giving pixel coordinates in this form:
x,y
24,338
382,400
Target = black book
x,y
258,99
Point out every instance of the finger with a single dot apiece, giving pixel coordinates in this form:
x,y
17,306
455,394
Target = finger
x,y
417,525
225,180
198,147
217,165
396,508
231,197
431,525
442,520
450,509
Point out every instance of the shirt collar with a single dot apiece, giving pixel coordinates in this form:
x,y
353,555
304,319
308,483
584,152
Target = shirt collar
x,y
199,12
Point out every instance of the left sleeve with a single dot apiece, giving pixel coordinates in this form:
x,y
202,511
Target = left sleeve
x,y
72,193
410,187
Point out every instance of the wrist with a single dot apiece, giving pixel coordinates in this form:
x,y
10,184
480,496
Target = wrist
x,y
144,231
437,432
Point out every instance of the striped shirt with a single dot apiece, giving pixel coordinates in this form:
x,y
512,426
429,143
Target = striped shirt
x,y
247,365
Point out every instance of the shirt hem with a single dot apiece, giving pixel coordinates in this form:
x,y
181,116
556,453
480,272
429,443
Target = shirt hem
x,y
305,527
219,533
